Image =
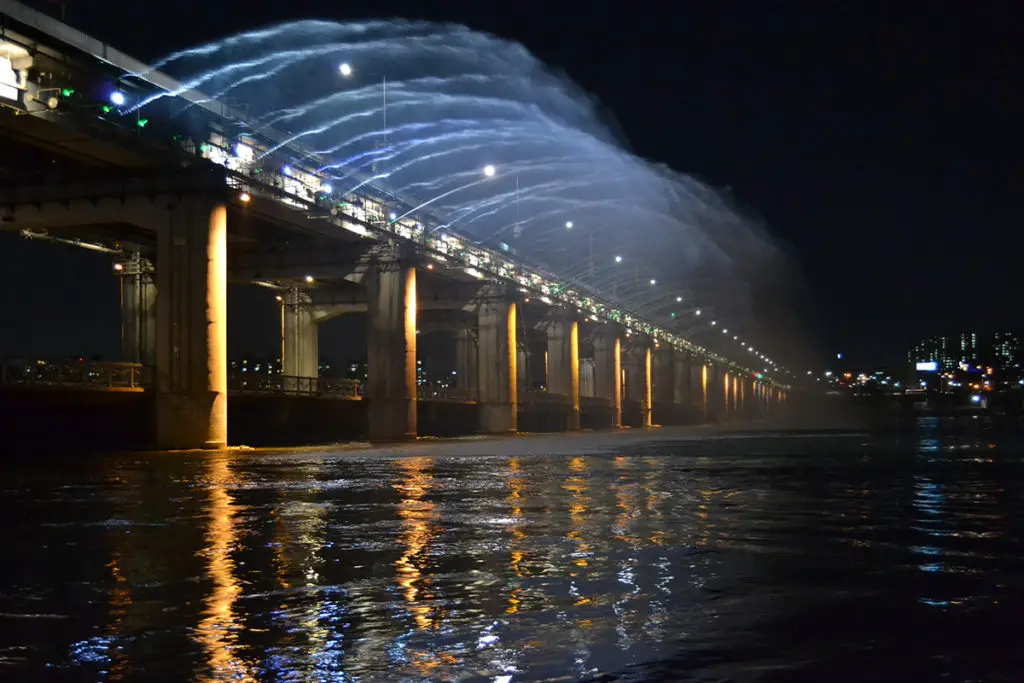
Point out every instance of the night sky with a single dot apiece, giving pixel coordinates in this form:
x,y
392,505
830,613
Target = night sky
x,y
878,143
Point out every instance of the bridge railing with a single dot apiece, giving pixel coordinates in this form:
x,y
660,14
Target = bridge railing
x,y
79,374
329,387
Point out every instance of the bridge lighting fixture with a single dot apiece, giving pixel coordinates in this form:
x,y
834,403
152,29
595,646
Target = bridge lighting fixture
x,y
141,123
117,98
326,188
393,215
345,69
245,196
287,170
653,282
489,171
679,299
118,267
697,312
618,259
714,322
725,331
309,278
568,225
278,297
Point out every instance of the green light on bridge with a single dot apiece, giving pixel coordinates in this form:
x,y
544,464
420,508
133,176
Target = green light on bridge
x,y
67,92
141,123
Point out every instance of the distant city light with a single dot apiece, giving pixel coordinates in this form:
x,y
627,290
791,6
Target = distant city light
x,y
975,399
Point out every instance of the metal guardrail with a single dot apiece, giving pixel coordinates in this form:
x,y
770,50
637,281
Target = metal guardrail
x,y
325,387
74,374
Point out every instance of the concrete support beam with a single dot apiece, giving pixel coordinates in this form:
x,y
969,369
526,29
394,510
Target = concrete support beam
x,y
300,348
191,351
681,386
466,364
138,310
663,384
563,364
391,349
638,380
608,369
497,353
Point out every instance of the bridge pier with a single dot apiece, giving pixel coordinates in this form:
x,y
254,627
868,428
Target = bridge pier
x,y
466,363
138,311
638,379
682,385
391,350
663,385
563,364
608,370
191,327
497,370
300,347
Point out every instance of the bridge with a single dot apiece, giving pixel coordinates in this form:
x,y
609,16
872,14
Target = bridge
x,y
183,211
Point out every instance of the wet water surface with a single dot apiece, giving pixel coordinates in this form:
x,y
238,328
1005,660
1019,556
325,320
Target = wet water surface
x,y
761,558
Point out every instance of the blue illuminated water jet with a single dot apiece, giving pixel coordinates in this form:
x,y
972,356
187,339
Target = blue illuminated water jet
x,y
423,107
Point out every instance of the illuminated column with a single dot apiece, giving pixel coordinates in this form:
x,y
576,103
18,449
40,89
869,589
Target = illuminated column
x,y
391,349
663,384
563,364
726,396
699,389
138,310
300,348
497,350
608,370
638,379
191,348
465,363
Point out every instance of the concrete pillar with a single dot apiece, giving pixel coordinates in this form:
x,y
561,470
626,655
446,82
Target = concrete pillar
x,y
497,353
608,370
138,311
563,364
391,349
523,369
663,384
638,380
191,349
465,364
699,389
300,348
682,377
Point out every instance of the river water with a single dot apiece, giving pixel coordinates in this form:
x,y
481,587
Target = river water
x,y
657,557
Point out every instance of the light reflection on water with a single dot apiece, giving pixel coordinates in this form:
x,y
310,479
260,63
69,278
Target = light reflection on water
x,y
743,559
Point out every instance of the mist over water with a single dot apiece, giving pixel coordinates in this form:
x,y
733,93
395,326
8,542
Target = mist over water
x,y
458,100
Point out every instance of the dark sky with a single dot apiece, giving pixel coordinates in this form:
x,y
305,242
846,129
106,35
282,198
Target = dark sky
x,y
881,143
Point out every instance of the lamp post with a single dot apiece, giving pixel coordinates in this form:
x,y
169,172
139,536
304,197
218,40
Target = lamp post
x,y
345,69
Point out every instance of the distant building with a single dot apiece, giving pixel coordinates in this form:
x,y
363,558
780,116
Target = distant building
x,y
1006,350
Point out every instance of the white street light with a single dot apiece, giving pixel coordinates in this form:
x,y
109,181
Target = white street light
x,y
653,282
489,170
345,69
697,312
714,322
618,259
679,299
568,225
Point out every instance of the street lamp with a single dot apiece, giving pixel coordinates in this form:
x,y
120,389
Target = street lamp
x,y
489,171
346,70
568,225
618,259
